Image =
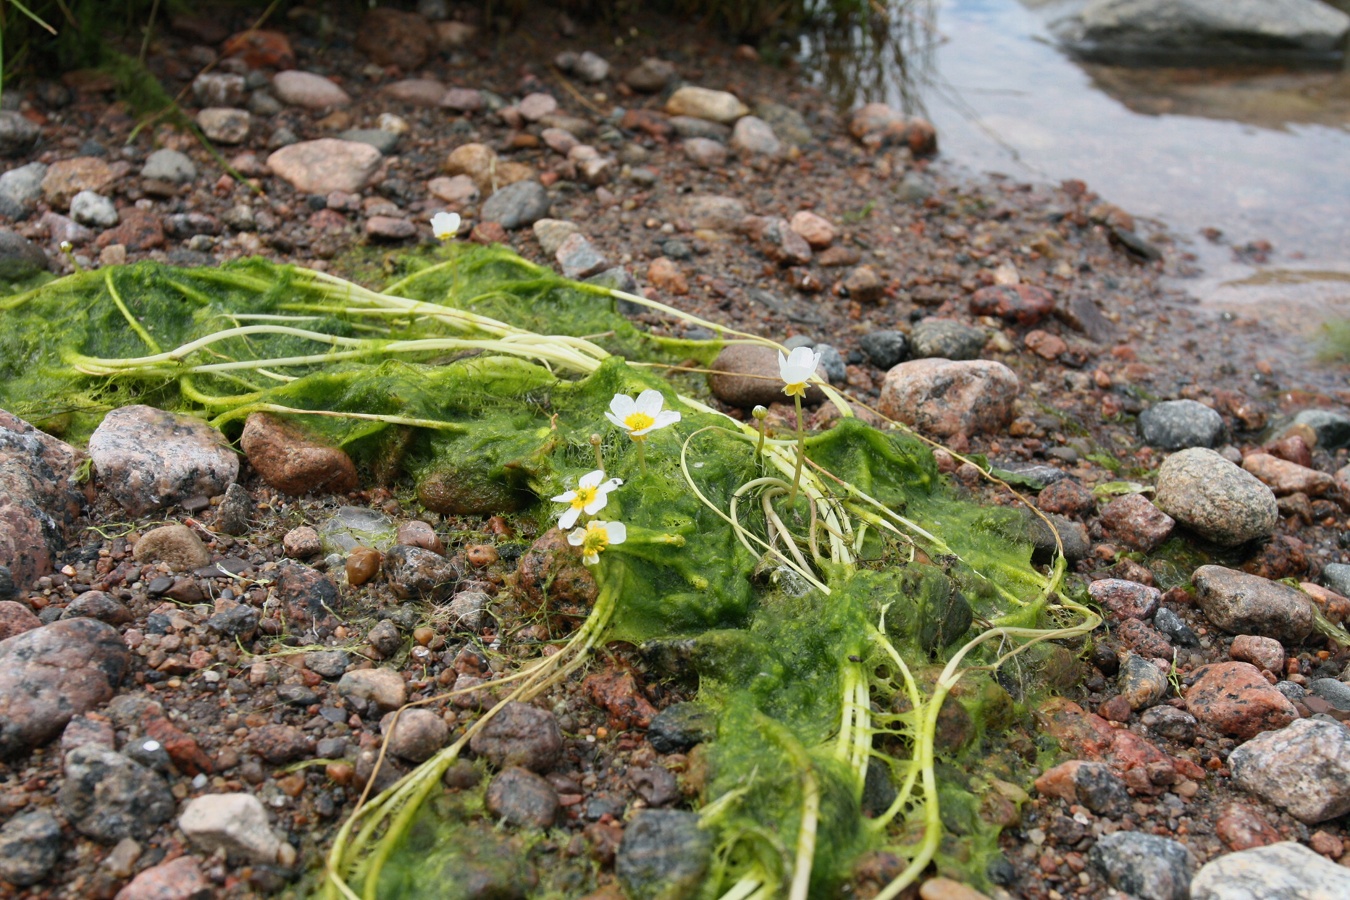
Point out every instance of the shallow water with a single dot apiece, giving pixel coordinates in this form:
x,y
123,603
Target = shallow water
x,y
1257,155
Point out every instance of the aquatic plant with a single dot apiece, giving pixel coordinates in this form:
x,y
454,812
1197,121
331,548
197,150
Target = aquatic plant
x,y
829,633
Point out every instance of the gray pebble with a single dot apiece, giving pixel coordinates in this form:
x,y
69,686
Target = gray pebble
x,y
21,188
1178,424
946,339
664,854
832,363
1331,428
19,257
1332,690
1145,866
17,134
383,141
169,165
517,205
885,348
30,844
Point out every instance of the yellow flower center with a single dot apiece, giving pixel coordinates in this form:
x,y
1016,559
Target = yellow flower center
x,y
596,539
795,389
584,496
636,421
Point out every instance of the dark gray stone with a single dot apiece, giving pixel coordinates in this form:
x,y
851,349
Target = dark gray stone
x,y
235,511
1170,722
1337,577
664,854
384,141
1100,790
1073,535
1331,428
885,348
1332,690
516,205
239,621
520,735
17,134
19,257
832,363
946,339
30,844
328,663
1145,866
109,797
1174,628
415,572
98,605
1178,424
523,798
680,726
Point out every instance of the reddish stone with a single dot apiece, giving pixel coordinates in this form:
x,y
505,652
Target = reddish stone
x,y
178,879
1144,639
1291,448
650,121
619,694
182,748
140,229
1241,828
1045,345
419,534
15,618
260,49
666,276
488,233
1135,521
1262,652
292,462
1280,557
1333,605
1066,497
1117,709
1284,477
1236,699
391,37
1021,304
1126,599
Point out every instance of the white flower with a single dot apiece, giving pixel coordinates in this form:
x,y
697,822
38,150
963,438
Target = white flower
x,y
588,498
595,537
445,225
797,368
640,416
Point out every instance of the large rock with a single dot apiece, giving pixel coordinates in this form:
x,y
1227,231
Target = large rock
x,y
945,398
1207,493
326,165
51,674
1283,871
108,797
39,500
1206,29
1235,698
1303,768
149,459
1241,603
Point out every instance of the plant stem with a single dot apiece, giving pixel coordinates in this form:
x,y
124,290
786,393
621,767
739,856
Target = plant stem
x,y
801,452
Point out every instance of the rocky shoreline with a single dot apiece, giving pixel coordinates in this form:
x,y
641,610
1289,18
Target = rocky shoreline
x,y
198,666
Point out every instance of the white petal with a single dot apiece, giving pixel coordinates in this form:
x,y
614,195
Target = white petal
x,y
576,536
622,406
596,505
568,519
666,417
615,420
565,498
617,531
445,224
649,402
591,559
591,479
783,366
610,485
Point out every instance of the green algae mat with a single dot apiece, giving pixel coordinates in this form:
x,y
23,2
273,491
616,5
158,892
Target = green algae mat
x,y
839,606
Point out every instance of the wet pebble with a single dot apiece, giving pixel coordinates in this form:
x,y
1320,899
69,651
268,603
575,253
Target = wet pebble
x,y
865,285
293,462
363,564
946,339
1125,599
386,638
1145,866
30,844
17,134
1331,430
1262,652
650,75
664,853
1174,628
579,258
15,618
224,125
705,152
235,511
1020,304
1142,682
1092,784
414,572
1285,478
1332,690
1136,522
466,610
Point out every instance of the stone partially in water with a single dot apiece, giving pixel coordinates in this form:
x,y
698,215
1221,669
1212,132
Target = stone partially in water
x,y
355,526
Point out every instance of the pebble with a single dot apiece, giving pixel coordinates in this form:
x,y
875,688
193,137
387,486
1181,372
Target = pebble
x,y
301,543
1331,429
1303,768
1234,698
1285,869
865,285
17,134
98,605
1179,424
456,190
224,125
36,473
417,573
108,797
703,103
705,152
1332,690
885,348
579,258
1142,682
1136,522
417,92
551,233
946,339
1241,603
746,375
664,853
417,735
1072,535
650,76
815,230
178,879
665,276
325,165
383,687
520,735
279,744
1145,866
20,190
68,177
1019,304
1170,723
945,398
680,726
15,618
390,228
94,210
940,888
1092,784
536,106
356,526
30,844
176,545
516,205
754,136
50,674
308,90
219,89
1263,652
148,459
170,166
1125,599
523,798
833,364
327,663
292,462
1286,477
1218,500
787,122
235,823
587,66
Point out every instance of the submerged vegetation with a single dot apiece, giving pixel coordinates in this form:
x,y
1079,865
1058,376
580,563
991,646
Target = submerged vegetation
x,y
833,599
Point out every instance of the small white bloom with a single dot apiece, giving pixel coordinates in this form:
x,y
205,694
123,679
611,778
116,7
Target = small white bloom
x,y
595,537
797,368
588,498
641,416
445,225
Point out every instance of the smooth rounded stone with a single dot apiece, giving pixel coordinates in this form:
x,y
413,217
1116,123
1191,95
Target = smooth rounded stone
x,y
1241,603
148,459
703,103
886,348
664,853
15,618
705,152
874,118
650,76
478,161
552,232
1170,723
50,674
1286,870
417,735
462,99
520,735
362,565
815,230
946,339
1019,304
559,140
40,499
21,189
1135,521
94,210
20,258
30,844
177,546
1332,690
680,726
1235,698
383,687
98,605
1337,577
1332,429
225,125
417,573
1125,599
579,258
325,165
291,461
1178,424
235,823
415,91
1141,681
516,205
1284,477
1066,497
308,90
239,621
17,134
1263,652
67,177
688,128
456,190
1303,768
171,166
1144,639
714,212
522,798
746,375
177,879
1073,536
1145,866
1175,628
945,398
108,797
534,107
787,122
587,66
1216,499
263,104
754,136
833,364
327,663
389,228
219,89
